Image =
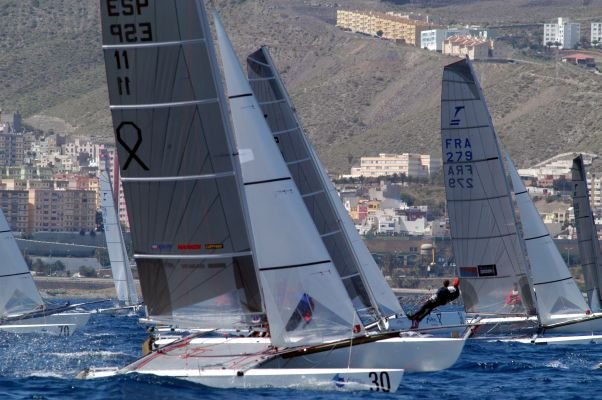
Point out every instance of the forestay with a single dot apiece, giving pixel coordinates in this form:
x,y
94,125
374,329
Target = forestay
x,y
19,294
120,264
555,289
589,246
178,170
486,245
365,284
306,302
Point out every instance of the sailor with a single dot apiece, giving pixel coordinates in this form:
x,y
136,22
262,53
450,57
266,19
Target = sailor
x,y
513,299
444,295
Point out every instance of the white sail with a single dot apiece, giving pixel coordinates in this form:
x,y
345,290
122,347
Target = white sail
x,y
589,245
555,289
306,302
363,279
120,264
179,170
19,294
487,250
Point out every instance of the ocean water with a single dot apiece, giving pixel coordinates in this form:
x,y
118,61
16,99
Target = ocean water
x,y
44,367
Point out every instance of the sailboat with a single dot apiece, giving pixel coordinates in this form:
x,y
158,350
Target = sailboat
x,y
372,297
218,246
118,256
22,309
496,259
587,235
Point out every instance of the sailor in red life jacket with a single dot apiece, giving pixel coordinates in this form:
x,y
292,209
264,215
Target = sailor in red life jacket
x,y
513,299
444,295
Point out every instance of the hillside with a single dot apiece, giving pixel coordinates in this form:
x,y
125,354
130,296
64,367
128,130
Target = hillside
x,y
356,95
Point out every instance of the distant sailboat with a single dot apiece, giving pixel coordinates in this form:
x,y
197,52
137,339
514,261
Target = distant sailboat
x,y
587,236
22,309
494,258
118,256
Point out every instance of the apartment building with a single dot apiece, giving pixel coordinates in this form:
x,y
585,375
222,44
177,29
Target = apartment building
x,y
12,149
462,46
15,206
387,26
596,33
564,34
62,210
411,165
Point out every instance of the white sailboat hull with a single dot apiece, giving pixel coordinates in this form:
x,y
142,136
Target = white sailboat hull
x,y
557,340
345,379
62,324
560,324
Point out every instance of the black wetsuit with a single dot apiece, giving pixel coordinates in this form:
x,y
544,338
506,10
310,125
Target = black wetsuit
x,y
443,296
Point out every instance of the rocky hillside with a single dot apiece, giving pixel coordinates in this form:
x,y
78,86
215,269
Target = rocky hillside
x,y
356,95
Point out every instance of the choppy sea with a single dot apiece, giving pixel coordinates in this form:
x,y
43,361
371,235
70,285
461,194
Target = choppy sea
x,y
44,367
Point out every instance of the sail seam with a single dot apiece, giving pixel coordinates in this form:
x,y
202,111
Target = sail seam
x,y
298,161
296,265
466,127
259,62
456,81
453,100
284,130
154,44
236,96
555,281
330,233
480,198
274,101
164,105
178,178
288,178
269,78
472,161
312,193
537,237
486,237
191,256
17,274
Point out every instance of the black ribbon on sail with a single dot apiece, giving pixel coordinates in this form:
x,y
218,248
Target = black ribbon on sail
x,y
131,150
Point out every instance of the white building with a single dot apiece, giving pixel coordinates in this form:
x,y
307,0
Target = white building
x,y
565,32
596,33
411,165
433,38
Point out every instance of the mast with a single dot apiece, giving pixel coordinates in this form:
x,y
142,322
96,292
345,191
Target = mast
x,y
587,235
366,286
484,235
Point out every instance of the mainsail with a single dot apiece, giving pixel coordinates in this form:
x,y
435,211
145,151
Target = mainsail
x,y
179,170
589,246
120,264
487,250
555,289
19,294
365,284
306,302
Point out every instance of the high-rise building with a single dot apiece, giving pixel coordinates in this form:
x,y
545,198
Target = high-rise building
x,y
596,33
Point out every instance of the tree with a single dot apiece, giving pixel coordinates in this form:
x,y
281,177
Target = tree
x,y
102,255
88,272
379,33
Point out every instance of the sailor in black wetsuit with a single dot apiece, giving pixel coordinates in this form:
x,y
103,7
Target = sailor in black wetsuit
x,y
444,295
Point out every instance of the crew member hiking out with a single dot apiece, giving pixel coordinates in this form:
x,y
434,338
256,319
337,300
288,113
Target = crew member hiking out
x,y
444,295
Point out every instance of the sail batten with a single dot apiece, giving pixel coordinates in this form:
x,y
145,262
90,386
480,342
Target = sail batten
x,y
163,105
155,44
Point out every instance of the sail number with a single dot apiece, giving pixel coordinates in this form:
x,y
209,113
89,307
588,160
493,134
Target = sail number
x,y
64,330
381,382
458,151
131,32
